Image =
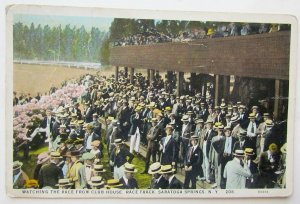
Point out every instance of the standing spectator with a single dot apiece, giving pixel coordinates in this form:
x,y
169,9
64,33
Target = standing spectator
x,y
236,171
19,176
51,173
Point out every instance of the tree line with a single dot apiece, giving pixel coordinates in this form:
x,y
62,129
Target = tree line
x,y
57,43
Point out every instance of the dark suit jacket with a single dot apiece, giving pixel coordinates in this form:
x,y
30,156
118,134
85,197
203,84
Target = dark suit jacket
x,y
265,166
194,159
44,123
237,145
125,117
161,184
175,184
121,158
49,175
132,183
94,137
208,140
220,147
135,123
168,156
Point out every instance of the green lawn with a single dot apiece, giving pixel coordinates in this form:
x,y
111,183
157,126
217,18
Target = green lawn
x,y
143,179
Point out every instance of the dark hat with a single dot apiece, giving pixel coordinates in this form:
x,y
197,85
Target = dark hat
x,y
78,141
75,153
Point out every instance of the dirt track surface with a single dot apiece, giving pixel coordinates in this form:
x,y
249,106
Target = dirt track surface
x,y
32,79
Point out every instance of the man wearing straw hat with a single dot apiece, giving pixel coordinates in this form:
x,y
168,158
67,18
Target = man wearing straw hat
x,y
19,176
168,147
50,173
119,156
152,137
193,162
64,184
85,171
135,130
96,182
251,182
186,133
90,136
236,171
157,181
128,180
168,173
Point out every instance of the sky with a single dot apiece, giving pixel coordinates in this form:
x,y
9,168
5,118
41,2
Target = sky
x,y
102,23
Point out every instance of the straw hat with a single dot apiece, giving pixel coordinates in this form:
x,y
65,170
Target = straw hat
x,y
64,182
283,148
17,165
96,181
249,151
55,155
130,168
113,183
239,153
185,118
154,168
98,168
166,169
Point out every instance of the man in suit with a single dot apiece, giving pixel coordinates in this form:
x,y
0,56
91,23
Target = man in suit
x,y
205,146
50,173
153,138
252,181
19,176
47,126
236,171
90,136
85,171
168,147
268,165
135,130
88,112
186,133
119,156
124,119
128,180
242,143
96,124
157,181
225,152
168,173
251,131
193,162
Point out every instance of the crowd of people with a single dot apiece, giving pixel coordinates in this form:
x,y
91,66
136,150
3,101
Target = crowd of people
x,y
152,36
229,146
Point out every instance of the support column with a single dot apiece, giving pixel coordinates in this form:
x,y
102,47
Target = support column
x,y
116,73
193,83
126,71
217,79
226,88
277,98
131,75
152,72
148,75
179,83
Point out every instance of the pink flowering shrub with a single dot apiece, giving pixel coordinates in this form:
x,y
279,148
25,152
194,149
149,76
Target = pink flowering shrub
x,y
32,113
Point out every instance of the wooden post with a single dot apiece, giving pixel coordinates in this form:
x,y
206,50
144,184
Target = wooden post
x,y
152,72
226,88
179,83
131,75
116,73
277,98
148,75
193,82
217,79
126,71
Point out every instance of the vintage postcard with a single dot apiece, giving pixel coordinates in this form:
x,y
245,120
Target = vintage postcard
x,y
108,103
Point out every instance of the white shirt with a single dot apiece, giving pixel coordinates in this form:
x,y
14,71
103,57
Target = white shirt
x,y
171,178
249,129
126,180
228,145
88,173
183,129
89,142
